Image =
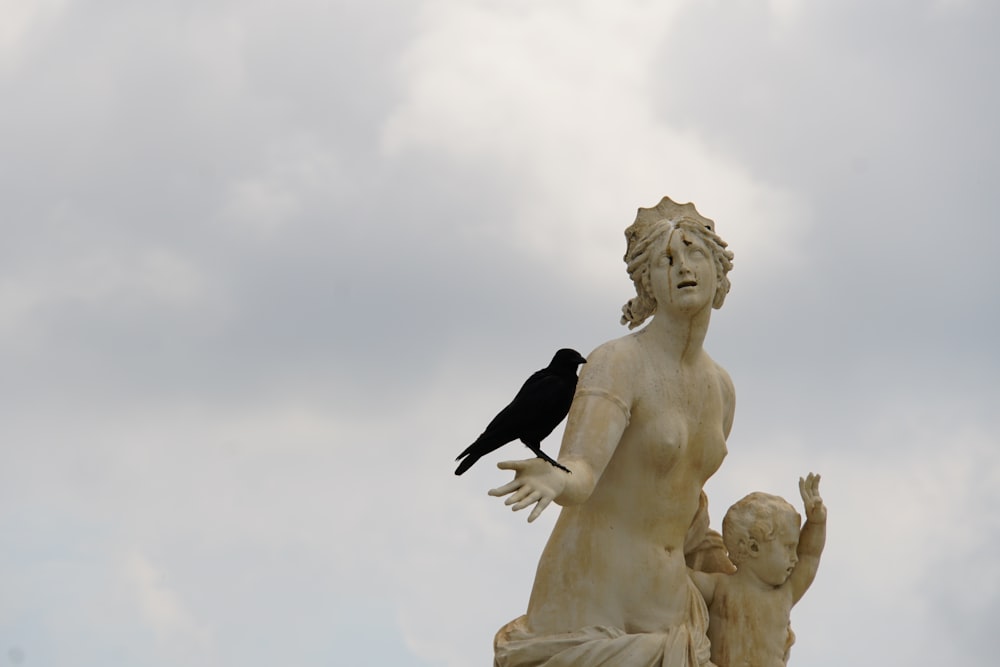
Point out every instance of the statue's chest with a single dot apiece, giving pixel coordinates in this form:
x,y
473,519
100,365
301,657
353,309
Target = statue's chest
x,y
681,420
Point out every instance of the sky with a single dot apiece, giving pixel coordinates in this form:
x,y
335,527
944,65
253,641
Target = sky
x,y
267,268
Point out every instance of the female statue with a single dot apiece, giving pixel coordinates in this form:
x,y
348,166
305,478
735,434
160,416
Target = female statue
x,y
647,428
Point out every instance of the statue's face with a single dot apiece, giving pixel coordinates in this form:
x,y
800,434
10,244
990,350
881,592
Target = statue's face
x,y
682,276
772,561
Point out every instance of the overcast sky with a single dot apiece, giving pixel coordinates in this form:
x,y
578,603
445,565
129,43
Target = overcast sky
x,y
268,267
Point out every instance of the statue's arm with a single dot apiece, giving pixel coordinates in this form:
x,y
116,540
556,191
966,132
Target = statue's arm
x,y
812,538
594,427
597,418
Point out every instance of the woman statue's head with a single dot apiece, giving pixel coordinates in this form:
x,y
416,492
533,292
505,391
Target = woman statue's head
x,y
646,238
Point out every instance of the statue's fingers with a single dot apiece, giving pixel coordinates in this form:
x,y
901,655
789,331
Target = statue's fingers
x,y
514,465
812,482
526,500
518,496
539,508
506,488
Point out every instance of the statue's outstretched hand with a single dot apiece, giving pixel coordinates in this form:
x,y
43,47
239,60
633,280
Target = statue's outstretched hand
x,y
536,482
809,488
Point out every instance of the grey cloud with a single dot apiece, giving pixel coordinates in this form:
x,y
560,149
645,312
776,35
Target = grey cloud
x,y
237,335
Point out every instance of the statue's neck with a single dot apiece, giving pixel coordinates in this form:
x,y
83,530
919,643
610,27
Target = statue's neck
x,y
680,337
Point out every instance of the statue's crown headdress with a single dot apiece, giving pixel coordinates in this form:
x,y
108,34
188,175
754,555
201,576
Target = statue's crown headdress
x,y
666,211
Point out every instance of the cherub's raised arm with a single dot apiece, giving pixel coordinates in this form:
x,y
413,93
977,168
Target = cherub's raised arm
x,y
812,538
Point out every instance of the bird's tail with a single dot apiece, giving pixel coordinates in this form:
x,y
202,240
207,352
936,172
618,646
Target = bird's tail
x,y
483,445
466,463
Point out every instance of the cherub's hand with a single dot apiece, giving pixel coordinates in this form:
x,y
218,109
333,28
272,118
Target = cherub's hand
x,y
535,482
809,488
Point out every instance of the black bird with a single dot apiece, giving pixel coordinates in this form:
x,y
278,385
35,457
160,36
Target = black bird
x,y
537,409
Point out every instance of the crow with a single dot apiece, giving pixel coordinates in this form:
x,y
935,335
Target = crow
x,y
536,410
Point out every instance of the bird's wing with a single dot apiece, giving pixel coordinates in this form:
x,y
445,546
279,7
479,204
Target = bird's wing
x,y
545,402
503,428
537,408
535,389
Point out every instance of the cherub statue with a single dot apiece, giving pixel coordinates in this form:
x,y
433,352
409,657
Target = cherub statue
x,y
775,564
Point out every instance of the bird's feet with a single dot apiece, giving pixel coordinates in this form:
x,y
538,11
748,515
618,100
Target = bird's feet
x,y
542,455
560,466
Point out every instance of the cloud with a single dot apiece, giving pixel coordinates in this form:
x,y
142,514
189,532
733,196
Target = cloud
x,y
267,269
18,21
562,96
161,607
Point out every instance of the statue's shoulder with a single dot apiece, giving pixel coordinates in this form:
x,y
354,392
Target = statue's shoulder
x,y
619,353
724,379
612,365
728,395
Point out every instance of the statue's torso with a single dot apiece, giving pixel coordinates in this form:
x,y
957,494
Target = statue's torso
x,y
748,627
618,559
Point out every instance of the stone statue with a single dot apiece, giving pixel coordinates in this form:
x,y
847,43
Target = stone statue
x,y
616,583
749,610
647,428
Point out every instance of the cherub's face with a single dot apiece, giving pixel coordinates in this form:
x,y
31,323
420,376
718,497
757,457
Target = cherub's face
x,y
773,561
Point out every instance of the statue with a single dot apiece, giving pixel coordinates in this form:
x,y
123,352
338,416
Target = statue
x,y
647,428
776,563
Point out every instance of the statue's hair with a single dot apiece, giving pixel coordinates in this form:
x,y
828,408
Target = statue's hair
x,y
756,516
644,239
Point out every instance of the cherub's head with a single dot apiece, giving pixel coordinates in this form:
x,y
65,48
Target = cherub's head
x,y
646,239
761,533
